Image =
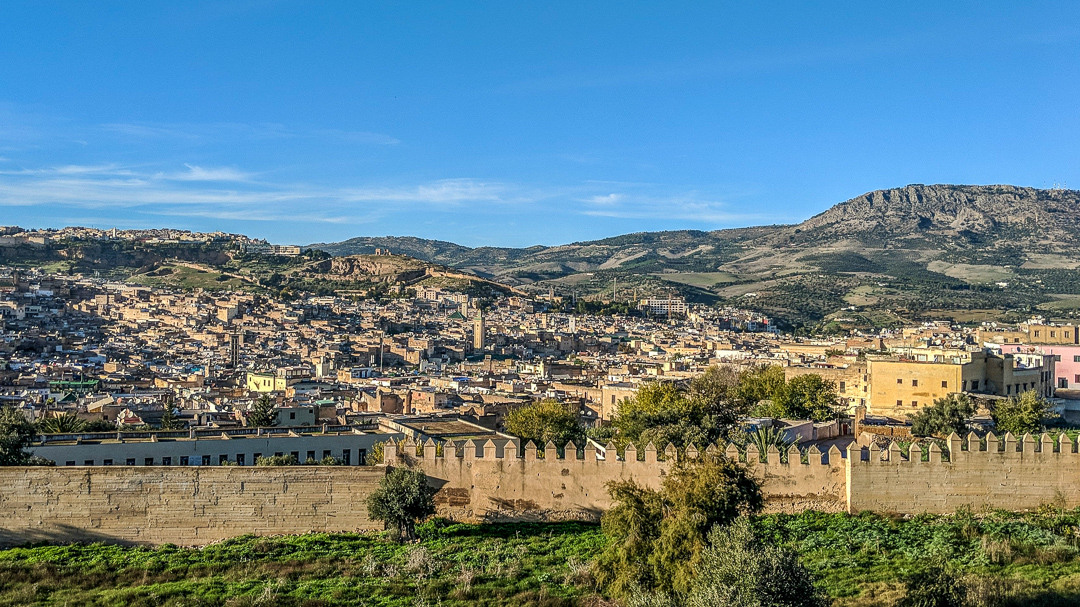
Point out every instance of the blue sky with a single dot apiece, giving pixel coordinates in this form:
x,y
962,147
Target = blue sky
x,y
519,123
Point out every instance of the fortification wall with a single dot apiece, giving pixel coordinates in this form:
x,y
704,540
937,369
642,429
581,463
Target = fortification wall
x,y
1008,474
487,482
179,505
484,482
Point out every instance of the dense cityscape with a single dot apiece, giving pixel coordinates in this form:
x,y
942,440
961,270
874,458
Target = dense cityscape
x,y
605,304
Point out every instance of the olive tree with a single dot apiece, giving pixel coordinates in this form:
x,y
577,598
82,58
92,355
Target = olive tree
x,y
402,499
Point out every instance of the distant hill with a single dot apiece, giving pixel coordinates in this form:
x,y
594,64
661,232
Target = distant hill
x,y
887,256
226,265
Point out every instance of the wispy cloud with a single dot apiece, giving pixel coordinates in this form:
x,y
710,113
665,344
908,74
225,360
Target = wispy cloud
x,y
228,192
212,132
158,195
605,199
198,173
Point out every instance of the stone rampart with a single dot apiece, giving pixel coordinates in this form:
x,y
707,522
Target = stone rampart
x,y
997,473
491,482
180,505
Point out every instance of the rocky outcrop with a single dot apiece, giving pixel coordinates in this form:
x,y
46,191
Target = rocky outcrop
x,y
1010,211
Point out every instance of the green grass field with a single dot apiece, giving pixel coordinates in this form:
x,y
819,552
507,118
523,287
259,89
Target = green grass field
x,y
186,277
1012,559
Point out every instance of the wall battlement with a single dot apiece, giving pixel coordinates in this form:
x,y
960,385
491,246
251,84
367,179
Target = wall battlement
x,y
492,481
488,480
996,472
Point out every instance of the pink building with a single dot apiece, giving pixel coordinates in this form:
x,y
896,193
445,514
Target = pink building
x,y
1067,362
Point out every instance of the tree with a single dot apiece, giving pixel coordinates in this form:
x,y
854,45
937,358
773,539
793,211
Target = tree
x,y
809,397
662,413
171,421
262,413
61,424
763,382
632,525
945,416
738,571
402,499
545,421
1022,414
16,434
657,537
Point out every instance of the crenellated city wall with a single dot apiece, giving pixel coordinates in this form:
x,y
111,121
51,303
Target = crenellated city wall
x,y
181,505
1004,473
489,481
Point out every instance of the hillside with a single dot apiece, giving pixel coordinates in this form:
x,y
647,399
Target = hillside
x,y
227,266
921,251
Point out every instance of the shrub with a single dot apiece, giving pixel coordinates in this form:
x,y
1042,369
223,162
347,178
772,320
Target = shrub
x,y
657,536
402,499
945,416
736,570
1022,414
277,460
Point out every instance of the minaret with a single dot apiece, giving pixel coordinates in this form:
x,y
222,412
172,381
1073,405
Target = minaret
x,y
478,330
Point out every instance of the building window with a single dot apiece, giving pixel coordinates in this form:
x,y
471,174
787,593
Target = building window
x,y
88,462
255,458
185,460
974,384
346,457
221,459
239,459
166,461
944,384
148,461
1052,334
362,457
914,403
206,460
70,462
292,415
296,455
843,386
1036,334
1008,389
914,383
325,454
899,403
107,462
130,461
899,381
311,455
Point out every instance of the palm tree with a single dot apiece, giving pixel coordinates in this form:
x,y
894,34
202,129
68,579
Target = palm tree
x,y
63,424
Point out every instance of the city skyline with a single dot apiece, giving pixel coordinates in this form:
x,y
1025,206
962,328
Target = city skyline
x,y
515,126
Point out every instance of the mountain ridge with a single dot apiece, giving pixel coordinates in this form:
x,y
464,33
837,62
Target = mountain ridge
x,y
905,250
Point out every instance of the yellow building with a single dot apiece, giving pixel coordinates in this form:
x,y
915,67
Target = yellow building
x,y
911,380
265,382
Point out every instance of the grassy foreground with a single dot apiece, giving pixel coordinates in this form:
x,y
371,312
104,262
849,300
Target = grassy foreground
x,y
1008,559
